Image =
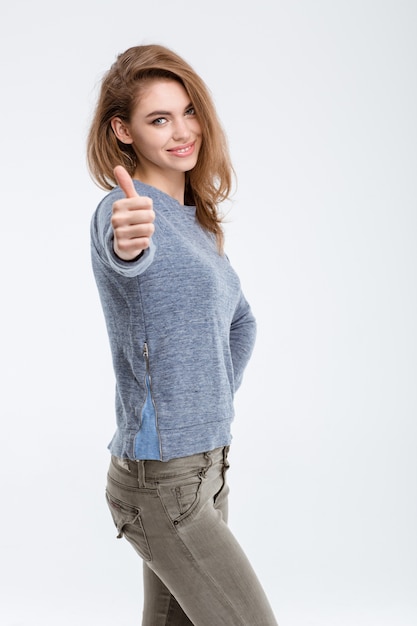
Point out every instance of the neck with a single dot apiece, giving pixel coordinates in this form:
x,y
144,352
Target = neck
x,y
173,185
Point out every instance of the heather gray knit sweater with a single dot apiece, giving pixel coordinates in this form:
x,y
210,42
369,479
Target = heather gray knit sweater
x,y
180,331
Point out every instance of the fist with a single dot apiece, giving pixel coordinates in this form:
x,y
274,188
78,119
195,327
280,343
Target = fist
x,y
132,219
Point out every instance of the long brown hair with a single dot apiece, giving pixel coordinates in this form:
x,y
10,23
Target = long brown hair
x,y
210,181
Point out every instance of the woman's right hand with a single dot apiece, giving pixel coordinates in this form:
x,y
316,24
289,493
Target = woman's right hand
x,y
132,219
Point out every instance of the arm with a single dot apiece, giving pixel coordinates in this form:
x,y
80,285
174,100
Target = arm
x,y
121,232
242,338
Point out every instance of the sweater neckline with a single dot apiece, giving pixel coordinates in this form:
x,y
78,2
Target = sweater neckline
x,y
139,184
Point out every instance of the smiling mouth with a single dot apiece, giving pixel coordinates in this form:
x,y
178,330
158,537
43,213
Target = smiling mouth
x,y
183,150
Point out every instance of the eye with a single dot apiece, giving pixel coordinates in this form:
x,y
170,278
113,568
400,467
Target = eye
x,y
190,111
159,121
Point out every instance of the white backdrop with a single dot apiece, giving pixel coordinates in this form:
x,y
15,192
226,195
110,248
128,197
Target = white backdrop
x,y
319,101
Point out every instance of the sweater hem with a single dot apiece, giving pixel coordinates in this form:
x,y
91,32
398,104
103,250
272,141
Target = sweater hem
x,y
175,443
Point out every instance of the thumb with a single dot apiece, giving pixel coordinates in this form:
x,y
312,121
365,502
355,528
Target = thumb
x,y
125,181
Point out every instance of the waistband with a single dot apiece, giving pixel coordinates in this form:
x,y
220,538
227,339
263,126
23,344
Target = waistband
x,y
158,470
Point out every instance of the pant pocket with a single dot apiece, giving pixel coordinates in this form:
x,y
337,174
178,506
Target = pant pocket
x,y
181,499
128,522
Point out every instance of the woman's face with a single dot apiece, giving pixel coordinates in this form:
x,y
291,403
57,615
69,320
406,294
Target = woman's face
x,y
164,132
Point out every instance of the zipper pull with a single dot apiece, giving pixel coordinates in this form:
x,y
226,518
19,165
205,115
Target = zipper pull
x,y
145,352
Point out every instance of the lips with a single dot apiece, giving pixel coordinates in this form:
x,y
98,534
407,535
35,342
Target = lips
x,y
183,151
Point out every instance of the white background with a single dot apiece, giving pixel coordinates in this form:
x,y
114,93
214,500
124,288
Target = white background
x,y
319,100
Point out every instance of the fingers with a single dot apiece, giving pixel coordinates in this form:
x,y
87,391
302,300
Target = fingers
x,y
130,239
132,218
125,181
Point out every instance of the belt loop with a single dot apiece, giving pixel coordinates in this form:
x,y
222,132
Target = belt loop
x,y
209,459
141,474
124,463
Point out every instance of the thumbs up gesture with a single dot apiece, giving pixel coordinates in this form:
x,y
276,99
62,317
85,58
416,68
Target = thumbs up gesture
x,y
132,219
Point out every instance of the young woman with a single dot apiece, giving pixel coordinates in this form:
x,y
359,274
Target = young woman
x,y
181,334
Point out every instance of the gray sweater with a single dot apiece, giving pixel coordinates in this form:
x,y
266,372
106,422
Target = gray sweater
x,y
180,332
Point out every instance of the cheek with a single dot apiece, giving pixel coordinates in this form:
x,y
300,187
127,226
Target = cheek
x,y
195,126
148,144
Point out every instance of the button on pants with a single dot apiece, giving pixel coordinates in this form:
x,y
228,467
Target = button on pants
x,y
174,514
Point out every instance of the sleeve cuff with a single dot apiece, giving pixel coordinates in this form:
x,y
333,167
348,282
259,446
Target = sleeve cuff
x,y
128,268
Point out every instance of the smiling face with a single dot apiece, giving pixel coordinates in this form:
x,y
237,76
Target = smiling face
x,y
165,134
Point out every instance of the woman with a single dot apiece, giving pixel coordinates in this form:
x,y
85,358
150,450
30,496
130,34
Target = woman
x,y
181,334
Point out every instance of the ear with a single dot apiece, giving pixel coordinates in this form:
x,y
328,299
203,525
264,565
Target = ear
x,y
121,130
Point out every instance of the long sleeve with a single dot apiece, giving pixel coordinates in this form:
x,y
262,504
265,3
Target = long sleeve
x,y
102,241
242,339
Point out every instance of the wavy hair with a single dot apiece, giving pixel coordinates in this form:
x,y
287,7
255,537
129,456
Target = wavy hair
x,y
210,181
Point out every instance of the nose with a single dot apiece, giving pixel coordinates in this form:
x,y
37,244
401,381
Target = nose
x,y
181,130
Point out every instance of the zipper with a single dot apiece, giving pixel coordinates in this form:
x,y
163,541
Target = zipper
x,y
145,354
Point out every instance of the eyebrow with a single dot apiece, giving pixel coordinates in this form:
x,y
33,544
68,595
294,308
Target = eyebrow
x,y
161,113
